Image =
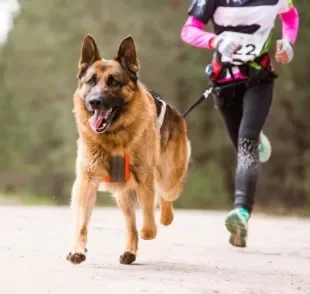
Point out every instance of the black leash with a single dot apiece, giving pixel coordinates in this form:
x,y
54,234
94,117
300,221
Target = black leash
x,y
212,90
204,96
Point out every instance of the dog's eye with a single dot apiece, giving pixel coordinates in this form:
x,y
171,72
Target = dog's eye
x,y
92,81
112,82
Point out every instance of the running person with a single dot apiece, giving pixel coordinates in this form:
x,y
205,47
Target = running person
x,y
241,43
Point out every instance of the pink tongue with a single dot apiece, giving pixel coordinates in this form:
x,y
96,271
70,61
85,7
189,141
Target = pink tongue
x,y
96,120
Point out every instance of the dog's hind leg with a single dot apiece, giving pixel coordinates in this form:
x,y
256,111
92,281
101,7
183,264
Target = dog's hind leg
x,y
170,192
166,203
126,202
166,211
172,173
82,202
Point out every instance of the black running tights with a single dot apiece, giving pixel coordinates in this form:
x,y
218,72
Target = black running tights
x,y
244,111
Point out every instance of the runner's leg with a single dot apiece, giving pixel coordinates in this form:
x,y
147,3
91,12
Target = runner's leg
x,y
230,108
256,105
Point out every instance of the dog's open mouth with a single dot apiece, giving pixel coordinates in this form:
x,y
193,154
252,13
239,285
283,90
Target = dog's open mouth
x,y
101,119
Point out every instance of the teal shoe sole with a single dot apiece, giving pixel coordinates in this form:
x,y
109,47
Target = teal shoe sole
x,y
238,230
265,148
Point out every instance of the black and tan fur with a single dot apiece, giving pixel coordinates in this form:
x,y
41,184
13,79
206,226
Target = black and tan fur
x,y
158,157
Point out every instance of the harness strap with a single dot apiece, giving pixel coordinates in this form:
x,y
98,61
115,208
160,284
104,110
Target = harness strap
x,y
160,118
161,107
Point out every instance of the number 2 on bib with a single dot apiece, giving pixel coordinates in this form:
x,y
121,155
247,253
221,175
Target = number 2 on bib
x,y
248,49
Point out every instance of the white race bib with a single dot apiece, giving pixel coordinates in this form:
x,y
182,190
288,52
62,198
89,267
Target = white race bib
x,y
251,46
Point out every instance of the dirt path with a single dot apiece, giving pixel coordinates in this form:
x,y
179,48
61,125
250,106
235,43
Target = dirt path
x,y
191,256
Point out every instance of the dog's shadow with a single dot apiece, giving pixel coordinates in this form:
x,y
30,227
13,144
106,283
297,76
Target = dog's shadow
x,y
154,267
257,252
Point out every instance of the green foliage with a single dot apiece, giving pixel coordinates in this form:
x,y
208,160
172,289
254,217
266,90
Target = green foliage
x,y
205,188
37,76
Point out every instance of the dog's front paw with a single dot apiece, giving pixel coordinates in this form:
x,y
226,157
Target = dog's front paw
x,y
76,258
127,258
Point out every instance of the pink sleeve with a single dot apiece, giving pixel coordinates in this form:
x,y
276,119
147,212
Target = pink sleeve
x,y
290,24
193,33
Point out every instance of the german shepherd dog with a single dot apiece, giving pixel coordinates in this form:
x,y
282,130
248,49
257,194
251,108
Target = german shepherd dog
x,y
131,143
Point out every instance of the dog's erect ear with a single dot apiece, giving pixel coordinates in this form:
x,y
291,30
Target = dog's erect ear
x,y
127,55
89,54
89,51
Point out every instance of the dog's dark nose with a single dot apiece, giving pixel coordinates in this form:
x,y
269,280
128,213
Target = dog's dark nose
x,y
95,102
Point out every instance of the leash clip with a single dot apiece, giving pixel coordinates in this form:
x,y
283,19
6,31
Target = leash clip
x,y
208,92
204,96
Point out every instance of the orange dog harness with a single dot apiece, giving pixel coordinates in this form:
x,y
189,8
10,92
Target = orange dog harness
x,y
119,169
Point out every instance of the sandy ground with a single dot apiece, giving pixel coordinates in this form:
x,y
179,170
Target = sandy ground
x,y
191,256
